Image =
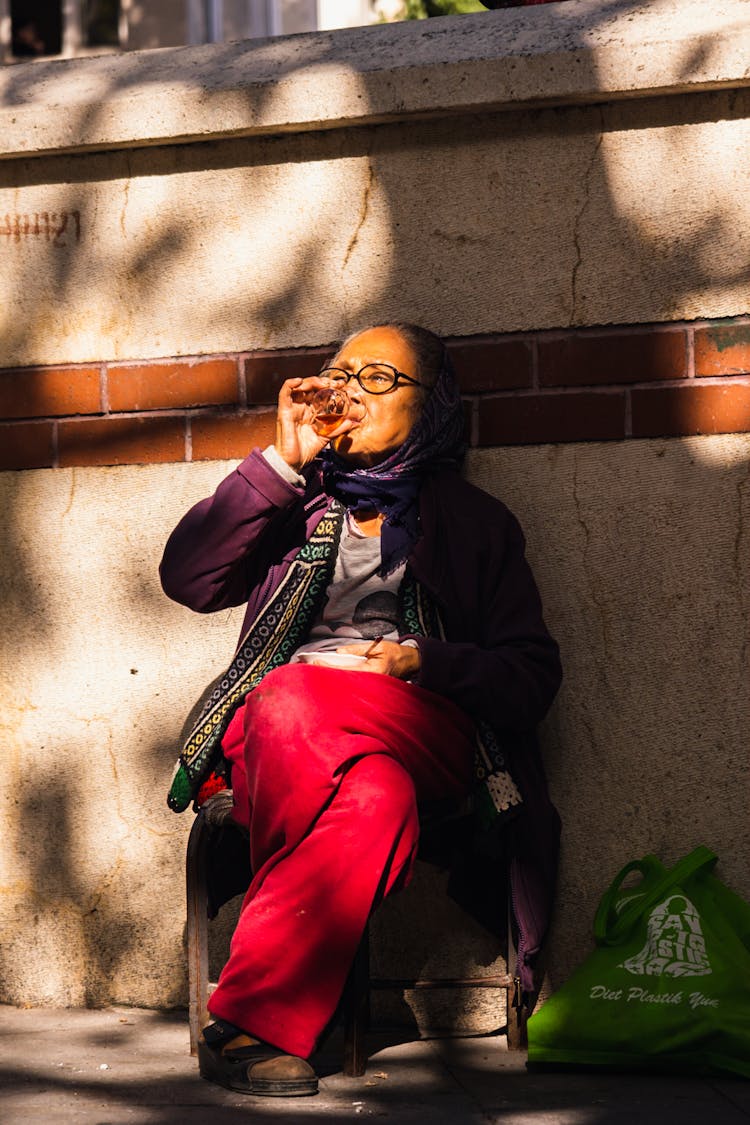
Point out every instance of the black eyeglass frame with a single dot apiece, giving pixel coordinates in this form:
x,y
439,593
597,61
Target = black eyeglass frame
x,y
397,377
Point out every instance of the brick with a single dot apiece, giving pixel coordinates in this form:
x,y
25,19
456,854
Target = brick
x,y
583,359
42,392
264,372
27,445
155,386
692,409
122,441
230,436
531,419
723,349
485,363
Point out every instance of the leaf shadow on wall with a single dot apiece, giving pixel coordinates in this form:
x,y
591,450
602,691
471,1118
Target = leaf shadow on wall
x,y
85,937
449,248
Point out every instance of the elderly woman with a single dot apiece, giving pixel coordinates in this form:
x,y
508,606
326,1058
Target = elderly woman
x,y
365,543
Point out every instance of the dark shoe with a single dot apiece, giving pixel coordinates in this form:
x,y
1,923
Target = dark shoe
x,y
255,1069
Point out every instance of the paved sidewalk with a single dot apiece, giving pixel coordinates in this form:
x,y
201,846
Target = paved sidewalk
x,y
127,1065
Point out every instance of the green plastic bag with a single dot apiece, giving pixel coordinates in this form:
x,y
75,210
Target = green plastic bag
x,y
668,985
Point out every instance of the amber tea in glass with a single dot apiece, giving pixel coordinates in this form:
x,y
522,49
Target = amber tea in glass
x,y
330,408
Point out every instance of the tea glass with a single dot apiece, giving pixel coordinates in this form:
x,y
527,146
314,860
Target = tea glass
x,y
330,407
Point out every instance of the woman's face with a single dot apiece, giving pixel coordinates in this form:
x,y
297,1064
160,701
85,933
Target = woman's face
x,y
387,418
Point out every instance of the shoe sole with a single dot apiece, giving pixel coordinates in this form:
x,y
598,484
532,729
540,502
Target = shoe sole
x,y
232,1075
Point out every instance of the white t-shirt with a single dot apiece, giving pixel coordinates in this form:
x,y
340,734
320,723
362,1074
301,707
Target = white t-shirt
x,y
359,605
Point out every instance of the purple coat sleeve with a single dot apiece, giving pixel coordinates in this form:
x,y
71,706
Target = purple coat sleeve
x,y
219,551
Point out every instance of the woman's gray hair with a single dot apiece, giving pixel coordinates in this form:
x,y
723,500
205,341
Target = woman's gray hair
x,y
431,352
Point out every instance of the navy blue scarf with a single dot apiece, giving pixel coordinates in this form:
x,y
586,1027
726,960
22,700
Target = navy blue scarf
x,y
435,442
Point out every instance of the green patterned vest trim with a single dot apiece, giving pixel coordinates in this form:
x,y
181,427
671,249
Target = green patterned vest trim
x,y
279,629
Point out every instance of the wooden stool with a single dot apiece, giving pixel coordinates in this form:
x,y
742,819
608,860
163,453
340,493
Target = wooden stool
x,y
216,814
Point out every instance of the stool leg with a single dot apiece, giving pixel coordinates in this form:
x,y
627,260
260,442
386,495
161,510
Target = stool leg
x,y
197,928
357,1011
516,1020
515,1012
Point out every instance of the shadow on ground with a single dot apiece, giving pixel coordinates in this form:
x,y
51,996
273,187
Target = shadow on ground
x,y
131,1065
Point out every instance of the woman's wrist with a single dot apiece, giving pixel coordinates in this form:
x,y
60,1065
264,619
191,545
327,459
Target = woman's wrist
x,y
282,466
410,660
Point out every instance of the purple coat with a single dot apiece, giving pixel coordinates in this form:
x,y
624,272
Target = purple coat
x,y
498,661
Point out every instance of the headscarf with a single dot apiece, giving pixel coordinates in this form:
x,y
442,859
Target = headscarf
x,y
435,441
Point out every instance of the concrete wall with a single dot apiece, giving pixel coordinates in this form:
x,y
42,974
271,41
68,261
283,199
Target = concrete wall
x,y
569,166
287,240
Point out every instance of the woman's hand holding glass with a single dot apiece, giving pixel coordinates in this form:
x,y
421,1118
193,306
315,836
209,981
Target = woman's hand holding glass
x,y
310,412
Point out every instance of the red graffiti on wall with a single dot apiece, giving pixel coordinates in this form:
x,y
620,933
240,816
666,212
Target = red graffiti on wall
x,y
55,227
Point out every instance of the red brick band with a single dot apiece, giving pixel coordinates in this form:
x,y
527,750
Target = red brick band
x,y
598,384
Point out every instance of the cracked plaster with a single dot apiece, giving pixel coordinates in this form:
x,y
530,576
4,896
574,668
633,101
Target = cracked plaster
x,y
515,222
507,217
577,225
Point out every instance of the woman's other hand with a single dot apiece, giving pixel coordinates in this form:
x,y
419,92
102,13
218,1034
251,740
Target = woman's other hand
x,y
388,658
296,440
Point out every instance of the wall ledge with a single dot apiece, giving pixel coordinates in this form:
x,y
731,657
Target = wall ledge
x,y
557,54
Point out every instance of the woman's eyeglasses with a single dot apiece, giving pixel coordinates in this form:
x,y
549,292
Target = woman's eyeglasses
x,y
375,378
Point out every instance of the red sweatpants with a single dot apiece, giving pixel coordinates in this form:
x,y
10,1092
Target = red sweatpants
x,y
326,774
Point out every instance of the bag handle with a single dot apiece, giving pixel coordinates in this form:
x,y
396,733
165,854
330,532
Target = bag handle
x,y
648,866
610,934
